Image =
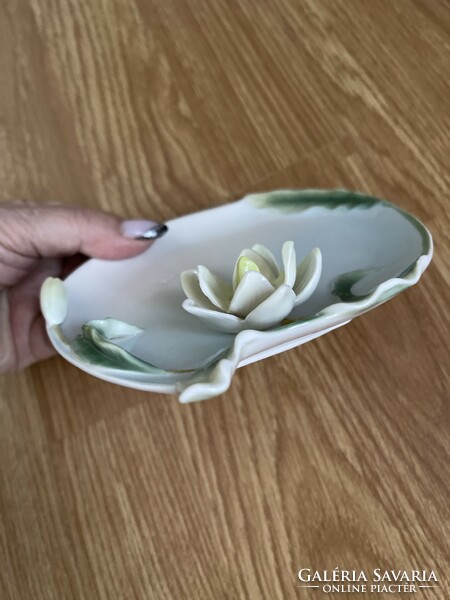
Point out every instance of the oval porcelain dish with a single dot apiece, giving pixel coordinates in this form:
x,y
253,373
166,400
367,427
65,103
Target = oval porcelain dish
x,y
369,251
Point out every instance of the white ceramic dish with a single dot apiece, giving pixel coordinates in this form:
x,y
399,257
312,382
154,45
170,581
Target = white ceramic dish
x,y
371,250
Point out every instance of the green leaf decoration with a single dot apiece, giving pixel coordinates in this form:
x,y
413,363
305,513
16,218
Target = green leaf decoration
x,y
293,201
342,286
94,346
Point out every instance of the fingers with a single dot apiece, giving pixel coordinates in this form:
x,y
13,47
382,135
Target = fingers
x,y
18,349
23,339
33,239
56,230
8,354
40,345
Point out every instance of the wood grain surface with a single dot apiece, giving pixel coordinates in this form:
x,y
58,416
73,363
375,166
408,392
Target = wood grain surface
x,y
335,454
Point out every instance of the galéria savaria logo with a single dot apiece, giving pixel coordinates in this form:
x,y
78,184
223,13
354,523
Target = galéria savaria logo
x,y
377,581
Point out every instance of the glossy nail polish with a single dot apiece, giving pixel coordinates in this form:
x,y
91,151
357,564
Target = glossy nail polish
x,y
143,230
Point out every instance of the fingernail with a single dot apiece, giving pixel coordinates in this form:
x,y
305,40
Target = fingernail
x,y
143,230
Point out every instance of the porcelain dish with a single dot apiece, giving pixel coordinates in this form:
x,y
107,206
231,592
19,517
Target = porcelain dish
x,y
125,319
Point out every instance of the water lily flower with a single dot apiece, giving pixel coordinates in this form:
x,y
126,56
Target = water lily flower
x,y
260,295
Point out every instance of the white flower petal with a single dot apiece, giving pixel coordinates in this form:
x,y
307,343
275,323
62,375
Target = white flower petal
x,y
308,276
53,300
267,255
215,288
191,287
113,329
251,291
219,321
289,263
273,310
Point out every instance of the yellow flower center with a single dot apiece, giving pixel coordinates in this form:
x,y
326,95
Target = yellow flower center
x,y
244,265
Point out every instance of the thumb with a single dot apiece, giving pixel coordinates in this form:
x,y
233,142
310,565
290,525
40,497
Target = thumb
x,y
56,230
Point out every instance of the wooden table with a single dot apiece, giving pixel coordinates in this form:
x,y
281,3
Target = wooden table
x,y
335,454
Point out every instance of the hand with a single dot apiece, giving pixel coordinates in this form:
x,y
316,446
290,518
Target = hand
x,y
40,241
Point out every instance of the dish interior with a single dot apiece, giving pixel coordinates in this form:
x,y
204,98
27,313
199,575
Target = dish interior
x,y
361,248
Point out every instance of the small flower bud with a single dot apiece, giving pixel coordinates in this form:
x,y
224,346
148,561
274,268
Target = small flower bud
x,y
54,301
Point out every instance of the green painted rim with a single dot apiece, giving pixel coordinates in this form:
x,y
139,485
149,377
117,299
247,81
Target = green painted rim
x,y
294,201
